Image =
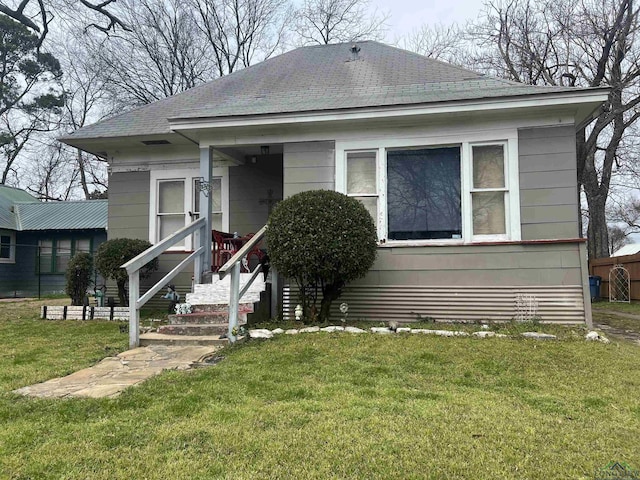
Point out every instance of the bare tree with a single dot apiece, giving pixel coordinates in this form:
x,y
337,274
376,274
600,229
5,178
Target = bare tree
x,y
241,32
30,95
334,21
440,42
37,15
618,238
587,43
629,215
164,53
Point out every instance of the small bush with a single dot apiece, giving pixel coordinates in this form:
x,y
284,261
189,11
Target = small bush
x,y
78,277
322,240
113,253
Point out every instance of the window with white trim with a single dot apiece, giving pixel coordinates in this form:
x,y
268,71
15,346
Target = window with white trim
x,y
174,202
7,246
362,179
435,193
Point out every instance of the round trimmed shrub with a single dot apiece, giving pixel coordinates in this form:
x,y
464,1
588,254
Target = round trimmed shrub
x,y
322,240
78,277
113,253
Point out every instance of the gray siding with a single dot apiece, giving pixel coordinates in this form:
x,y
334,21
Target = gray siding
x,y
250,184
548,183
308,166
472,265
471,282
129,205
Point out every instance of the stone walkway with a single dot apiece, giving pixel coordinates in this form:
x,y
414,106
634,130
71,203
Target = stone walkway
x,y
112,375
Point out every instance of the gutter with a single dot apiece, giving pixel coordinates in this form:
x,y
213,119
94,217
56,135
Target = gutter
x,y
594,95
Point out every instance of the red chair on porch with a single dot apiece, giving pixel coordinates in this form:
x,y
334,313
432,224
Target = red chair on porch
x,y
223,249
256,251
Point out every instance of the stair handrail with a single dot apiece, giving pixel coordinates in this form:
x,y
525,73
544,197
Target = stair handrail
x,y
133,266
233,267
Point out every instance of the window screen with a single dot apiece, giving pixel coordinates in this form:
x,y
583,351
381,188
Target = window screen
x,y
423,193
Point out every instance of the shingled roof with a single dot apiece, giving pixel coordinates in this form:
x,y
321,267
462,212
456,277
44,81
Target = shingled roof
x,y
316,78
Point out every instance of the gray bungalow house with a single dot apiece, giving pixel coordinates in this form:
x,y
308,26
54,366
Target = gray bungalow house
x,y
38,239
471,180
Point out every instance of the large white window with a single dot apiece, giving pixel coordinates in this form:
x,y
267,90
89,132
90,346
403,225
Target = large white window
x,y
451,193
175,202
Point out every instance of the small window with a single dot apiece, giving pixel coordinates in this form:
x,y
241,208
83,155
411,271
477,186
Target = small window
x,y
63,255
45,255
488,190
362,182
82,245
171,215
7,247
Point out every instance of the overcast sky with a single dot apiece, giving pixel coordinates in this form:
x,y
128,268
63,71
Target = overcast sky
x,y
407,15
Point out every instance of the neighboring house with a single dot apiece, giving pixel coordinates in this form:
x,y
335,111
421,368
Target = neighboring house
x,y
630,249
38,239
471,180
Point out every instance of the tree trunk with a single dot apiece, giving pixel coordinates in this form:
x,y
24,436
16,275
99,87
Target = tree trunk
x,y
597,233
330,293
122,293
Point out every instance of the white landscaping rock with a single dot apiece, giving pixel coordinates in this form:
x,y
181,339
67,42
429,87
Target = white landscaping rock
x,y
291,331
444,333
596,337
539,336
332,328
381,330
484,326
403,330
277,331
486,334
260,333
310,329
354,330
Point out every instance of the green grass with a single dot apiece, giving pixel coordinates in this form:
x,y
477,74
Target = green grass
x,y
633,307
604,312
322,406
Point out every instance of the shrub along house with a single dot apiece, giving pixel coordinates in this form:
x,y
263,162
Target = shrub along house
x,y
471,180
39,238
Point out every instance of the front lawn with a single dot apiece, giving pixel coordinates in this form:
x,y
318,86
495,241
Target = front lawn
x,y
327,406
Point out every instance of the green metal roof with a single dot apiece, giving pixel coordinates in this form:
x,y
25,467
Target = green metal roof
x,y
75,215
8,197
21,211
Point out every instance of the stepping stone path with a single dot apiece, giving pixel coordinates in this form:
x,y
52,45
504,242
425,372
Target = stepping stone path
x,y
112,375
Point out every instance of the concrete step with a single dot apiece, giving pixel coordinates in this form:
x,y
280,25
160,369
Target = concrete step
x,y
180,340
204,318
217,292
194,330
220,308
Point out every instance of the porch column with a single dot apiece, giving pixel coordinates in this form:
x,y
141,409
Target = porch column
x,y
206,171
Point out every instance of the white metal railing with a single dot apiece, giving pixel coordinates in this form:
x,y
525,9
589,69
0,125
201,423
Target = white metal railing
x,y
201,242
235,294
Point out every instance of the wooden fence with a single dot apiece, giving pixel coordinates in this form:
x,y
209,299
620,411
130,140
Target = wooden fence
x,y
602,266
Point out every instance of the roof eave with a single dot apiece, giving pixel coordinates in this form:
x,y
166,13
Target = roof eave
x,y
586,97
